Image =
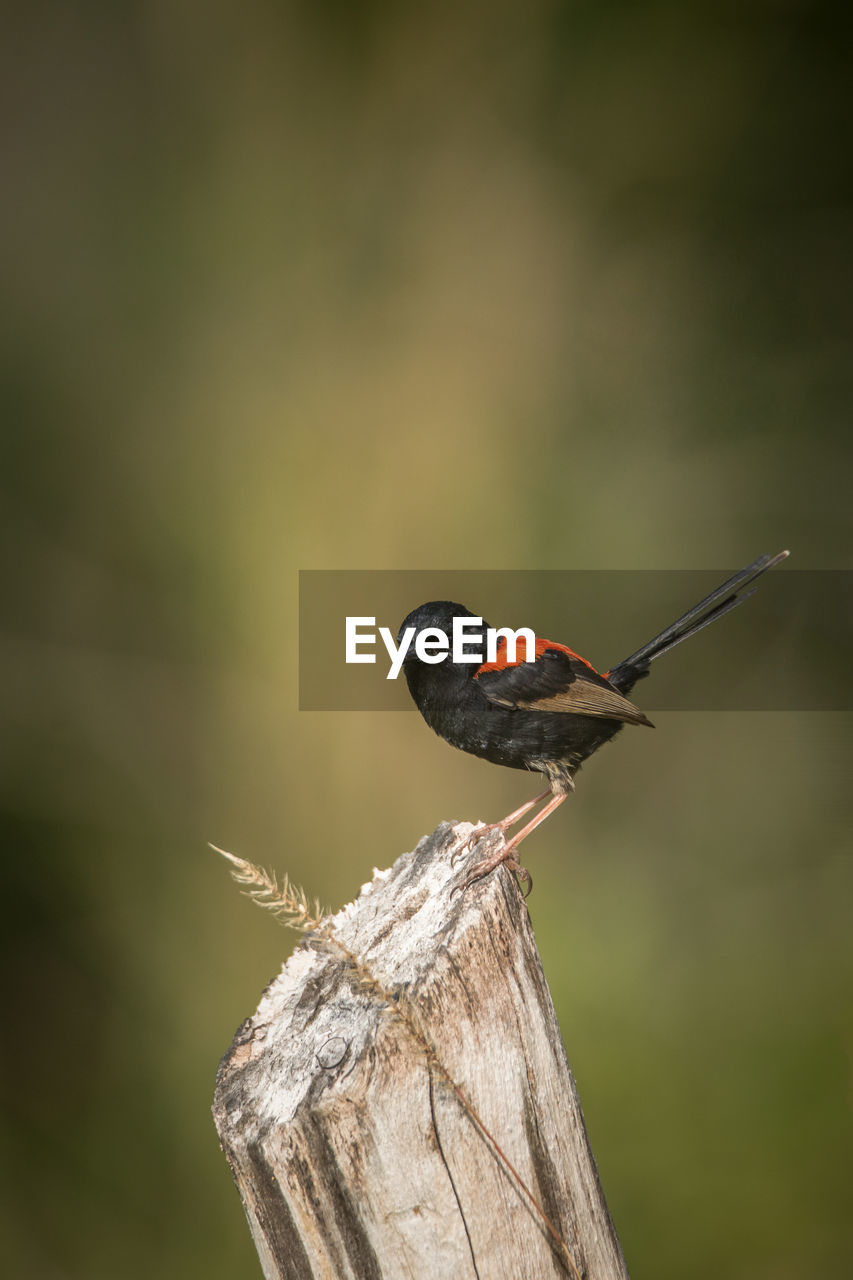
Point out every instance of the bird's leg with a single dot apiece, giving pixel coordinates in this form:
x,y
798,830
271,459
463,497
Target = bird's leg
x,y
503,826
512,818
506,853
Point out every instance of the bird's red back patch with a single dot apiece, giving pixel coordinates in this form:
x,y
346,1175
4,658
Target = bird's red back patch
x,y
501,661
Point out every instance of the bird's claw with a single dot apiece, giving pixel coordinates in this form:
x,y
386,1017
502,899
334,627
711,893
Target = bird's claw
x,y
505,855
474,836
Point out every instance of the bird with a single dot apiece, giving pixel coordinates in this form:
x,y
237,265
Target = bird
x,y
547,715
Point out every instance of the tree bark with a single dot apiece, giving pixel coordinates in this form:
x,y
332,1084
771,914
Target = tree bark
x,y
401,1104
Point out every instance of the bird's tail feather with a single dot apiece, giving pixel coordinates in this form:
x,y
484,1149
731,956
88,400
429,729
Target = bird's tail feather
x,y
727,596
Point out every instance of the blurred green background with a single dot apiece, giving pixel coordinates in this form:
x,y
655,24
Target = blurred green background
x,y
347,285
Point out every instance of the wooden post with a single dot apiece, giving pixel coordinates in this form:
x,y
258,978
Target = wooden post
x,y
401,1104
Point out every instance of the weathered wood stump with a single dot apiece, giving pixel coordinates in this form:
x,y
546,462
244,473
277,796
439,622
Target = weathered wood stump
x,y
401,1104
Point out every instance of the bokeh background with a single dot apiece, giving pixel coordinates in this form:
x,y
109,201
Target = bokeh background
x,y
360,285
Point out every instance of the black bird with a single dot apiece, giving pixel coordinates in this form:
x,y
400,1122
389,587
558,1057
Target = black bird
x,y
548,715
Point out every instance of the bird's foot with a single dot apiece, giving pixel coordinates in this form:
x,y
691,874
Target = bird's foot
x,y
505,854
481,832
485,829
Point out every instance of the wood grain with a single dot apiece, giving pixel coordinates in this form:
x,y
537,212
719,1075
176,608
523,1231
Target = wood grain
x,y
351,1150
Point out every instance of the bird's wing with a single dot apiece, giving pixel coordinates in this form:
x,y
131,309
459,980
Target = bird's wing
x,y
558,680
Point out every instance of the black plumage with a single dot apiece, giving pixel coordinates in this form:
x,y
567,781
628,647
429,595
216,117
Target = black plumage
x,y
548,715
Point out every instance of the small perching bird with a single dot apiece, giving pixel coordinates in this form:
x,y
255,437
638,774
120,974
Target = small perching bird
x,y
547,715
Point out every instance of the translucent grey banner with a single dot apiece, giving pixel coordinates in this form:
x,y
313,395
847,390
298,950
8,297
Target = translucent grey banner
x,y
788,648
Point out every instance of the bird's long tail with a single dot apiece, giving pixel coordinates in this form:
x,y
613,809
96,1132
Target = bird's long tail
x,y
727,596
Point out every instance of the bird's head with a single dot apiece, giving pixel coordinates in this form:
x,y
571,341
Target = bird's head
x,y
436,619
